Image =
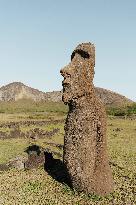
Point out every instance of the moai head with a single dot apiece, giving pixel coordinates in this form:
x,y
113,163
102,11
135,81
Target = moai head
x,y
78,74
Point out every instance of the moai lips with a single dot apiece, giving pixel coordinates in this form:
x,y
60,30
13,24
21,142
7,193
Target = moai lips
x,y
85,146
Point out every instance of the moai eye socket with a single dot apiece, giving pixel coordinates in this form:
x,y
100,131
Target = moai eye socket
x,y
82,53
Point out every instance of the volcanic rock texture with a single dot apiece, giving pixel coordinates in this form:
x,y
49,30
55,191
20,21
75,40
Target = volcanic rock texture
x,y
85,147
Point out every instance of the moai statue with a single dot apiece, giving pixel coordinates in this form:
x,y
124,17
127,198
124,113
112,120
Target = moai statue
x,y
85,147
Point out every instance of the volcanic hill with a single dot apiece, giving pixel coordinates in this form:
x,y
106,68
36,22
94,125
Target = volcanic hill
x,y
17,90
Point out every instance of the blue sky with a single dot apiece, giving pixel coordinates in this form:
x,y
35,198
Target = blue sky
x,y
38,36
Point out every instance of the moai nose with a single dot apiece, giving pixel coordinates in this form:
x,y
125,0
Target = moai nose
x,y
62,72
65,71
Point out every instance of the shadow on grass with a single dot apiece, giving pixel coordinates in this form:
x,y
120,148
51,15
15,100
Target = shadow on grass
x,y
38,156
56,169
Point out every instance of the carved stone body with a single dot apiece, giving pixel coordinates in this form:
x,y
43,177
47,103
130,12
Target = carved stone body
x,y
85,148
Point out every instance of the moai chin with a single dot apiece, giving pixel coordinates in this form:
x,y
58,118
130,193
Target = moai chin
x,y
85,147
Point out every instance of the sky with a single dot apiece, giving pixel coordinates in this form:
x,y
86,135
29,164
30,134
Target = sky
x,y
37,38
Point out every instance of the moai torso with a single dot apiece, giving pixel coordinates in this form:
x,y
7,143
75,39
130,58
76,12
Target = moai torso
x,y
85,149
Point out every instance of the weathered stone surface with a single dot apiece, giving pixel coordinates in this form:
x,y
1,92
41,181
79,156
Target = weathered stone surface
x,y
36,157
18,162
85,146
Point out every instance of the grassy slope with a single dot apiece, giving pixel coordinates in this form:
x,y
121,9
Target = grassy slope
x,y
29,106
37,187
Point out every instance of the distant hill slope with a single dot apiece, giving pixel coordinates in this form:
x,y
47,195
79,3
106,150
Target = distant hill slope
x,y
112,98
109,98
17,90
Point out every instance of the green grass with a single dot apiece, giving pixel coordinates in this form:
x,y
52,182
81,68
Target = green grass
x,y
36,187
127,110
122,144
29,106
48,127
10,148
43,109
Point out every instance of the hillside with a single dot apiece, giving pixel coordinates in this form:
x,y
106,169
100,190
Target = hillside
x,y
109,98
17,90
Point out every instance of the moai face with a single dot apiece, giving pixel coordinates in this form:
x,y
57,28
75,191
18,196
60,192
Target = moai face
x,y
78,74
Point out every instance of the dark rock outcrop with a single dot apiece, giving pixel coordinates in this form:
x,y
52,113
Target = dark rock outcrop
x,y
36,157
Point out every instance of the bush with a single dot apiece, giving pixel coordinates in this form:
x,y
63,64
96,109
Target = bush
x,y
122,111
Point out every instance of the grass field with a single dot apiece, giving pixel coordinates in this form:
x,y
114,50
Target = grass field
x,y
37,187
